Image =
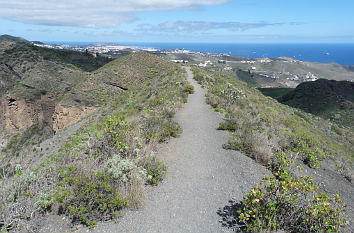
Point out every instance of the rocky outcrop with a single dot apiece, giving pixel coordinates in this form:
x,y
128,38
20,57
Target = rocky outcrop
x,y
45,118
19,114
64,117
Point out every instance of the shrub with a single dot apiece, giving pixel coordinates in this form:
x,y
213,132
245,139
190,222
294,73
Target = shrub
x,y
291,204
44,201
309,150
218,110
87,197
168,129
244,141
198,77
188,89
119,131
283,205
156,170
228,125
122,169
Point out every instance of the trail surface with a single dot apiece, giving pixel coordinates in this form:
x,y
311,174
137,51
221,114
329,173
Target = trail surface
x,y
202,177
203,182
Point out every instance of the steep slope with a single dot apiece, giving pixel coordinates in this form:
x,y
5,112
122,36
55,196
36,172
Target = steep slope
x,y
292,144
34,79
43,69
109,155
8,77
119,75
329,99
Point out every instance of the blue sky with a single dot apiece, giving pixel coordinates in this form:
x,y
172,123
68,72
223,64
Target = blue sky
x,y
233,21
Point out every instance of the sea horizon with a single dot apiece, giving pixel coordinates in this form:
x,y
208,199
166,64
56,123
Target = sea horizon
x,y
341,53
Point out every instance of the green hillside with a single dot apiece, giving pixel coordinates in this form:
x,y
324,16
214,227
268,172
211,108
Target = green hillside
x,y
103,166
38,70
329,99
310,159
13,38
275,92
261,125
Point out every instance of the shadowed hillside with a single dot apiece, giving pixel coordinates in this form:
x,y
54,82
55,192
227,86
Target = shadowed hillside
x,y
329,99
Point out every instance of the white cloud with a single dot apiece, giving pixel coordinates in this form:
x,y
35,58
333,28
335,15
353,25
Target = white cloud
x,y
88,13
202,26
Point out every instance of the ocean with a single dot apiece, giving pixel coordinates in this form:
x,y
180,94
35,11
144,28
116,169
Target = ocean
x,y
338,53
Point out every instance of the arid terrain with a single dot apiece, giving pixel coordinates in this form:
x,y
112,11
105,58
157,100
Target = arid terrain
x,y
144,144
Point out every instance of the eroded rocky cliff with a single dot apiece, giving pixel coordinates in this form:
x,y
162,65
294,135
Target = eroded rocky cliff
x,y
19,114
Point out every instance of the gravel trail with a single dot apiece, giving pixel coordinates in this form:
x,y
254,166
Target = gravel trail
x,y
203,181
202,177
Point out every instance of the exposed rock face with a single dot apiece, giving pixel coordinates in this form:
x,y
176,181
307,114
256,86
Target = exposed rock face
x,y
45,118
64,117
17,114
20,114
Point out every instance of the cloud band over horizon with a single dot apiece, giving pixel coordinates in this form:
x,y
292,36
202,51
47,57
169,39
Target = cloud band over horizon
x,y
188,26
89,13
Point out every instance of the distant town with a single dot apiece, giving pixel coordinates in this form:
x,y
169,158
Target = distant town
x,y
227,62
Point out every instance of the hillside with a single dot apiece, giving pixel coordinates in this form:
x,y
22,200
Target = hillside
x,y
292,144
32,82
13,38
329,99
8,77
288,72
82,146
108,154
39,70
282,72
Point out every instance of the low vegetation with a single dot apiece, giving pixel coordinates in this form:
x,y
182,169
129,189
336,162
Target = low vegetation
x,y
281,138
261,126
290,203
105,166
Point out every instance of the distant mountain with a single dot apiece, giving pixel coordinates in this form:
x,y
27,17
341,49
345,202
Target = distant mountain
x,y
13,38
326,98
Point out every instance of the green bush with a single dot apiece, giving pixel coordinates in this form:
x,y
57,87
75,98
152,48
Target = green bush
x,y
218,110
188,89
168,129
292,205
198,77
87,197
156,170
309,150
228,125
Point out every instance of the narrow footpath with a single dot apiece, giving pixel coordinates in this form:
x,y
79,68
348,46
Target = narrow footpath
x,y
202,178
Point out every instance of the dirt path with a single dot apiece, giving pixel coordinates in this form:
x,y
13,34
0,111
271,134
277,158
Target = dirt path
x,y
202,177
203,182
